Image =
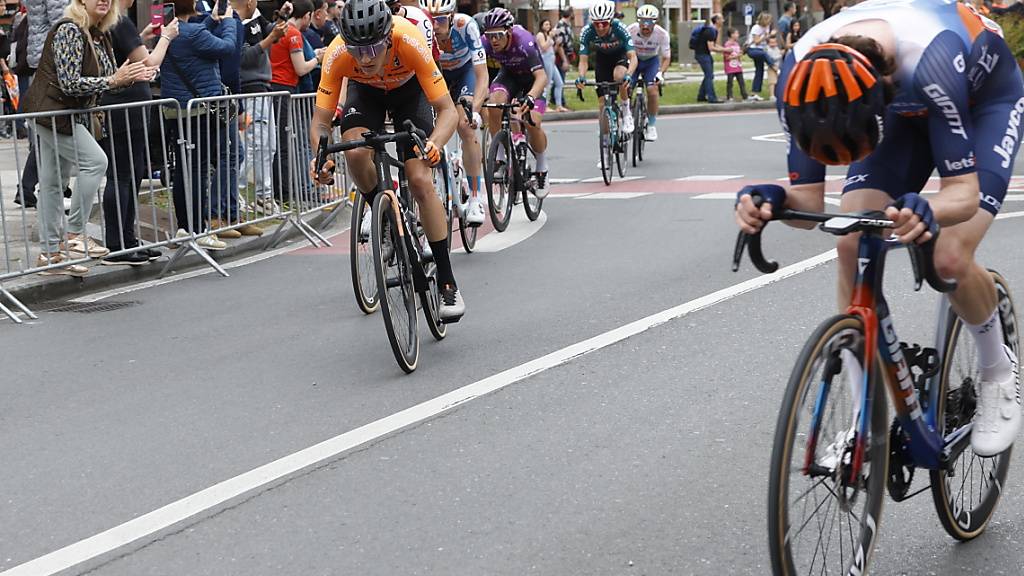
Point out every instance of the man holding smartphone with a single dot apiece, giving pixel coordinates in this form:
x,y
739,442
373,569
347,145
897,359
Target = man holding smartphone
x,y
255,75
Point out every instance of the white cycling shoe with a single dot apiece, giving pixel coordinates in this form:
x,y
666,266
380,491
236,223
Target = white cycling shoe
x,y
366,225
651,133
997,417
475,212
627,120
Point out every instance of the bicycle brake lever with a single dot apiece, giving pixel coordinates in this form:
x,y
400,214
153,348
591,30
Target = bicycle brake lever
x,y
321,153
915,264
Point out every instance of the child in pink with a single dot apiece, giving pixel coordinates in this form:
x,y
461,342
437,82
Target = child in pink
x,y
733,66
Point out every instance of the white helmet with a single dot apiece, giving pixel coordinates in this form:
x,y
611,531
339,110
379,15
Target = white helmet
x,y
438,6
647,11
602,10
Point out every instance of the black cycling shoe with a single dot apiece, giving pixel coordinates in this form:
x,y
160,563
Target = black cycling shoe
x,y
130,259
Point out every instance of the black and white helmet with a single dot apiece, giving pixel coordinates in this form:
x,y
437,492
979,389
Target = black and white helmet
x,y
602,10
365,22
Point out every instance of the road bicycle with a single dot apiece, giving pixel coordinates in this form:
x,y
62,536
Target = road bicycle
x,y
640,120
512,178
456,182
836,452
402,270
612,139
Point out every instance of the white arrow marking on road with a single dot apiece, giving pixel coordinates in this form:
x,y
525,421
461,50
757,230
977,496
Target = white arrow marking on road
x,y
773,137
613,195
709,178
218,494
519,228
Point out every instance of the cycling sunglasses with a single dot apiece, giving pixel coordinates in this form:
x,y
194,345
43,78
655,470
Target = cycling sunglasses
x,y
368,51
648,21
496,34
442,18
601,23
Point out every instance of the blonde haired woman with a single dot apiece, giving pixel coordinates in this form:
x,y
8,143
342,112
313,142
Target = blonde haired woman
x,y
76,66
758,51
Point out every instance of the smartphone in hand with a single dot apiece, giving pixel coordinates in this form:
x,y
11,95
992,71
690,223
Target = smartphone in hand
x,y
169,13
156,17
222,7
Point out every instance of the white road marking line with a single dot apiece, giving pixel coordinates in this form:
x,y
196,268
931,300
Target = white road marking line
x,y
600,179
519,228
194,273
773,137
716,196
709,177
1007,215
832,201
563,180
569,195
613,195
218,494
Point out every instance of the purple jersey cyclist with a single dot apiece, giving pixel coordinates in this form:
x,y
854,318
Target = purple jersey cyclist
x,y
521,78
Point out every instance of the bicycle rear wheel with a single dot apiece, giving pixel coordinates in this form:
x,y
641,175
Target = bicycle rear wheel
x,y
500,181
606,145
531,204
364,278
967,493
640,121
467,232
431,301
820,520
394,279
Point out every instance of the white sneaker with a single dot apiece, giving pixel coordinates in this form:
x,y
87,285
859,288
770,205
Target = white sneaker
x,y
651,134
542,185
475,212
366,225
998,414
627,120
452,306
211,242
266,205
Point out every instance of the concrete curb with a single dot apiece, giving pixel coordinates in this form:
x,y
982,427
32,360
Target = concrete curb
x,y
677,109
35,289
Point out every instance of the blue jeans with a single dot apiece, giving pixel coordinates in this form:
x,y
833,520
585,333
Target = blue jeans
x,y
760,58
707,86
224,195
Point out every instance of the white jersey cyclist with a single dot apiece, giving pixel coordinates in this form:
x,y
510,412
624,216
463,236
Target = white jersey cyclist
x,y
653,46
464,45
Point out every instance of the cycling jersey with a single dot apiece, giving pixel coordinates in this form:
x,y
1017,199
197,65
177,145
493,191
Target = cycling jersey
x,y
521,56
617,41
463,44
958,103
647,47
409,57
425,23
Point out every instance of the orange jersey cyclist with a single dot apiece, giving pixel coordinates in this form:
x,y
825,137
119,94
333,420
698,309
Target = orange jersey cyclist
x,y
391,71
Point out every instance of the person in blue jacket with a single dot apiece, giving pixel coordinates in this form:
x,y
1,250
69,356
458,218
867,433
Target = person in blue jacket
x,y
191,70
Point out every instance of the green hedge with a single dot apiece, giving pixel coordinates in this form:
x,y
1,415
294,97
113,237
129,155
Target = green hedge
x,y
1013,31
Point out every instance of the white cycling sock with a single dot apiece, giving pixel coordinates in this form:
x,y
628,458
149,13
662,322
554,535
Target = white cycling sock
x,y
501,154
988,338
542,162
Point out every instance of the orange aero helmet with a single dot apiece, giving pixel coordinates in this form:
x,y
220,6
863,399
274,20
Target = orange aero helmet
x,y
834,103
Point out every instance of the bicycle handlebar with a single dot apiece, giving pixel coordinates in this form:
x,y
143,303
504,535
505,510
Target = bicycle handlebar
x,y
612,84
371,140
922,256
512,106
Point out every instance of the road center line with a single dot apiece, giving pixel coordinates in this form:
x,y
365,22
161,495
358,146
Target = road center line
x,y
218,494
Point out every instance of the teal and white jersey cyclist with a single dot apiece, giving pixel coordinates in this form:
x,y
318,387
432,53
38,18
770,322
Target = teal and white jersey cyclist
x,y
464,66
614,55
896,89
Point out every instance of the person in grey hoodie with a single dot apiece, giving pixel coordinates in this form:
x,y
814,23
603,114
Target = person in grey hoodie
x,y
261,141
42,15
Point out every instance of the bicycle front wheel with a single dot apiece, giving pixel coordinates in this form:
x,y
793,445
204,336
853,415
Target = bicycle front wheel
x,y
394,278
467,232
364,279
966,494
499,179
531,204
822,515
606,144
640,121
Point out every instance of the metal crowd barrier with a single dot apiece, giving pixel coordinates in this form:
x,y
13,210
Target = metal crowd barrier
x,y
173,178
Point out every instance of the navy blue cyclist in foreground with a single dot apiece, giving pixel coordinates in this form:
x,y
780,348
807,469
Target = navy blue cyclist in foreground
x,y
895,90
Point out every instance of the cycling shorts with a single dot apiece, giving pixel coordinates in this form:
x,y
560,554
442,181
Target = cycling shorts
x,y
903,161
647,70
366,106
461,81
516,86
604,68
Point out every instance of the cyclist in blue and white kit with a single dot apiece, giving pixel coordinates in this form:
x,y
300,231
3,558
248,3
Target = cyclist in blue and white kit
x,y
653,52
895,89
615,57
464,66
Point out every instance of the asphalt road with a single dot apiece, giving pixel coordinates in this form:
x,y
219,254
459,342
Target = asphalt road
x,y
647,455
